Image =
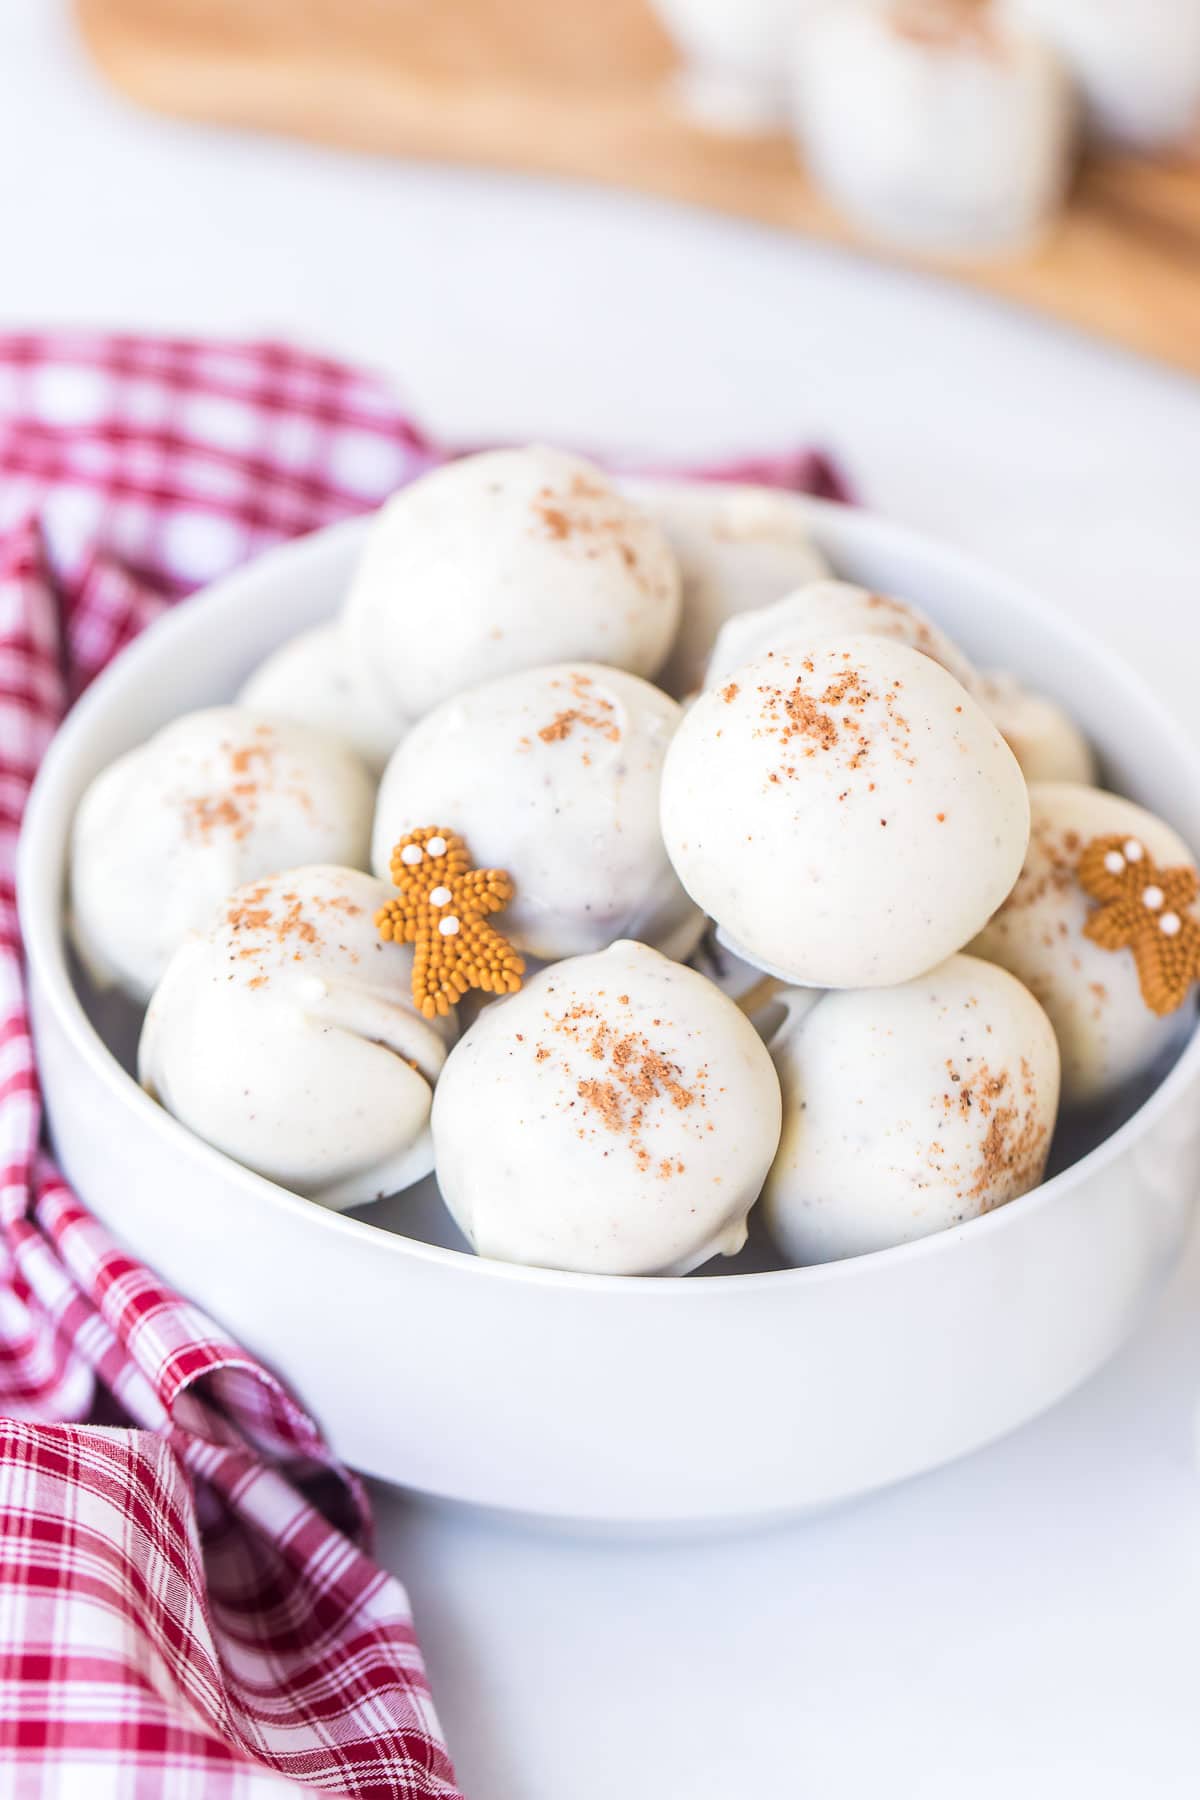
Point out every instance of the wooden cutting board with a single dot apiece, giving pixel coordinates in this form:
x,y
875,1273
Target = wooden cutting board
x,y
584,88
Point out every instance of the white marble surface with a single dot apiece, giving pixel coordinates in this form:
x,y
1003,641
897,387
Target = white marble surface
x,y
1025,1622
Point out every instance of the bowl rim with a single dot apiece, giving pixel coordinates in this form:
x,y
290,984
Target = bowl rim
x,y
41,856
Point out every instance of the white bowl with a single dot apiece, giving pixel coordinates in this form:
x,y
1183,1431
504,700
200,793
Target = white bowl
x,y
640,1401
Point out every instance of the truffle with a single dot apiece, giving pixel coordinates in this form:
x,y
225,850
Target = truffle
x,y
617,1116
214,799
909,1109
286,1036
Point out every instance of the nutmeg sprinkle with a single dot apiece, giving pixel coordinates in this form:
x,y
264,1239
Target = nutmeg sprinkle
x,y
231,808
635,1074
592,711
813,721
588,516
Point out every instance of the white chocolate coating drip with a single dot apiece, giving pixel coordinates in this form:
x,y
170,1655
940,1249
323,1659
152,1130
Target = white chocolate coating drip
x,y
287,1037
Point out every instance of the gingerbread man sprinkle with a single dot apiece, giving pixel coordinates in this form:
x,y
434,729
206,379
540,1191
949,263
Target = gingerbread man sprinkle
x,y
1144,909
442,912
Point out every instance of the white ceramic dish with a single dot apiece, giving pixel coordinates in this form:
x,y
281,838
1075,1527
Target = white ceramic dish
x,y
636,1401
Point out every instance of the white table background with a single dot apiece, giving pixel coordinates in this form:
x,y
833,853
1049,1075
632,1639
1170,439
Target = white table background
x,y
1027,1622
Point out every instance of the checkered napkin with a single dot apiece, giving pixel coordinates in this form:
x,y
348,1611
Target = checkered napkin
x,y
187,1606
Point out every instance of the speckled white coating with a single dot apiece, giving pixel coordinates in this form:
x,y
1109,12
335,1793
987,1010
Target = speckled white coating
x,y
552,774
825,610
504,561
1106,1032
738,549
307,679
849,817
617,1116
1137,62
214,799
286,1036
909,1109
932,123
1041,734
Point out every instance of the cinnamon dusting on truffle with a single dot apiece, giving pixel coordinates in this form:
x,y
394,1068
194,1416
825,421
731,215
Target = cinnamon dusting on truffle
x,y
946,25
249,914
204,814
590,516
635,1075
1013,1141
815,722
593,711
1049,867
232,806
1012,1158
241,758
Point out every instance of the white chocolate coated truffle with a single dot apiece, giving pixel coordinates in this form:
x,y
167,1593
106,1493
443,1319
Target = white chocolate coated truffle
x,y
504,561
1136,62
287,1037
735,58
739,548
933,123
909,1109
849,817
1106,1032
825,610
1041,735
307,680
214,799
616,1117
552,774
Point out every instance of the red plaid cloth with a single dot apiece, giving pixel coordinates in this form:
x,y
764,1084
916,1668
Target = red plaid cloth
x,y
186,1605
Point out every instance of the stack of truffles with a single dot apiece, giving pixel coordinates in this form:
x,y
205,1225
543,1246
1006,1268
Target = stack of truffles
x,y
829,918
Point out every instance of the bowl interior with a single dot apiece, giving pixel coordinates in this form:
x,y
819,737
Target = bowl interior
x,y
202,651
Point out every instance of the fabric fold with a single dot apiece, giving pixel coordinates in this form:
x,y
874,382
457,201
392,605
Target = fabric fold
x,y
187,1605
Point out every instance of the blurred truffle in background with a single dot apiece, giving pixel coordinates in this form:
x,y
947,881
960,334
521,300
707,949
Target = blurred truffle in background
x,y
736,57
934,123
1136,64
